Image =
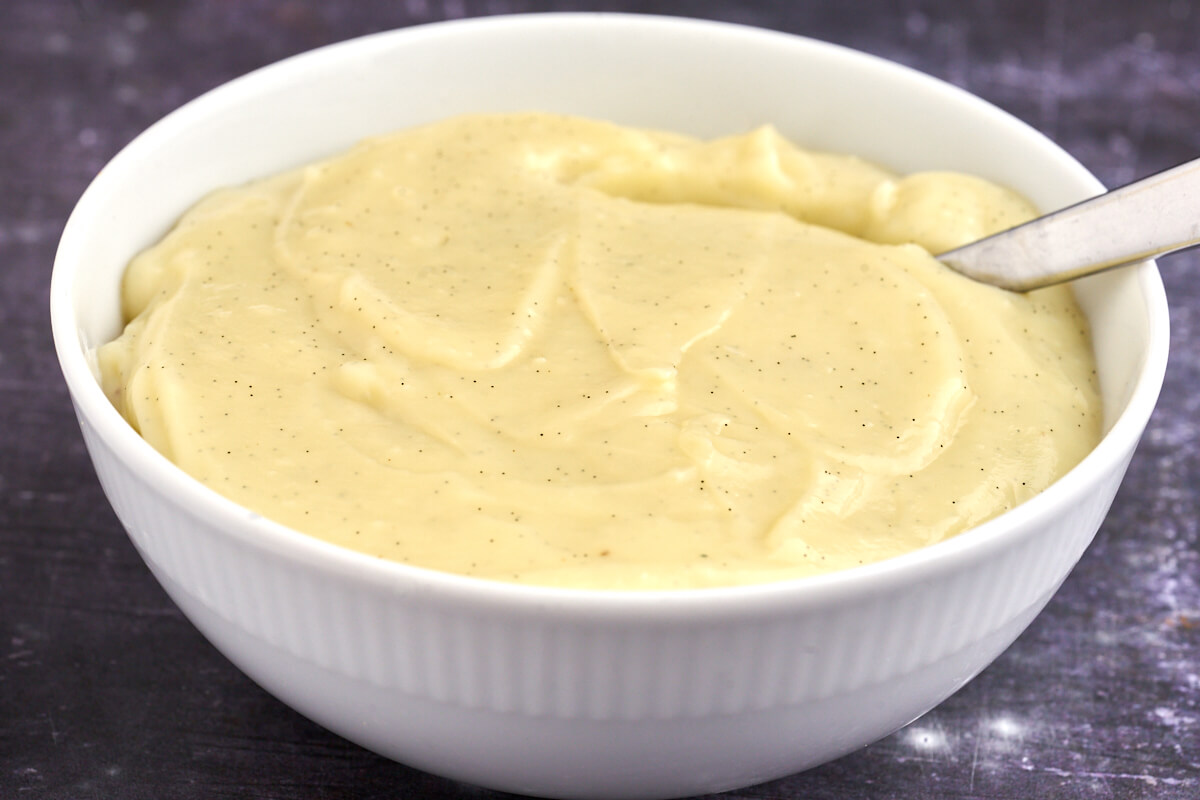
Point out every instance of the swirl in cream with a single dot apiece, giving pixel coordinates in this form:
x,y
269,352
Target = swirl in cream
x,y
552,350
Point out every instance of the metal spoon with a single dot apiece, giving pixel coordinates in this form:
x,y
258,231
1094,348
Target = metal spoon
x,y
1146,219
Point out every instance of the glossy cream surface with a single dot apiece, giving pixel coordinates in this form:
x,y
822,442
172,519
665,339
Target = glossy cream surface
x,y
552,350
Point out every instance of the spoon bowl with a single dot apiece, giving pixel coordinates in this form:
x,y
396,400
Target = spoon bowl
x,y
575,693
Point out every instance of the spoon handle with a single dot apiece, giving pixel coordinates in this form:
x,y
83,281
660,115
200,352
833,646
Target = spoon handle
x,y
1149,218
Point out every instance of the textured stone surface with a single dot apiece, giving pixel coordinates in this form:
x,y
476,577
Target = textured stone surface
x,y
106,691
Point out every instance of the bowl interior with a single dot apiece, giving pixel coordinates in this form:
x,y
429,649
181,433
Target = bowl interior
x,y
701,78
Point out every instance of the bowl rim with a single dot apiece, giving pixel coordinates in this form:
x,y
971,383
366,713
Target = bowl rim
x,y
251,529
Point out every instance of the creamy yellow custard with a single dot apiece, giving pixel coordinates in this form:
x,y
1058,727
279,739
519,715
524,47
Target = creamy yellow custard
x,y
551,350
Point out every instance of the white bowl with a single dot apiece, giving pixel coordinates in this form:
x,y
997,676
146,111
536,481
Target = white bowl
x,y
582,693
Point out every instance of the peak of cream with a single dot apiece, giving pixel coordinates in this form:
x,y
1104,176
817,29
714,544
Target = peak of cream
x,y
553,350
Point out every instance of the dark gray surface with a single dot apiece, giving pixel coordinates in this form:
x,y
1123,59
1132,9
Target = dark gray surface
x,y
106,691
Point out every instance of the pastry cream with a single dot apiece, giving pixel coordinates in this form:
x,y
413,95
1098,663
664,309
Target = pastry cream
x,y
557,351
